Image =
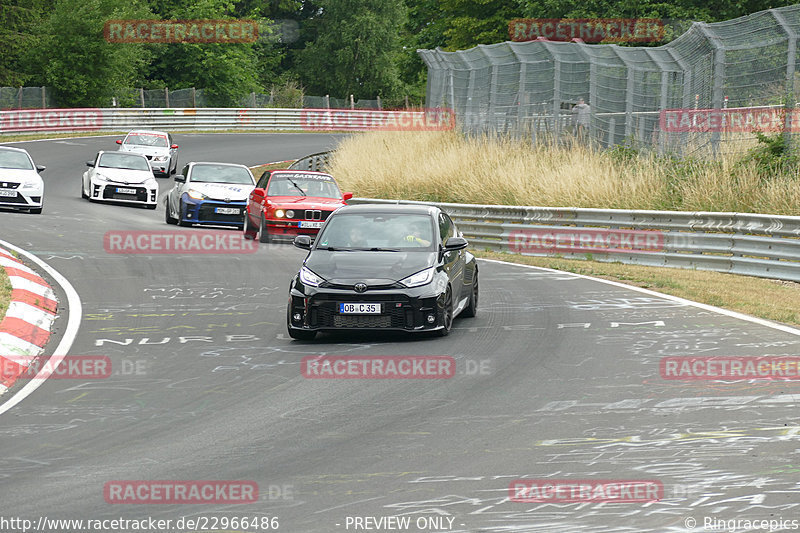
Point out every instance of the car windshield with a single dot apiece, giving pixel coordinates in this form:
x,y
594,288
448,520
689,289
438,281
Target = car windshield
x,y
14,159
221,174
298,184
147,139
122,160
368,231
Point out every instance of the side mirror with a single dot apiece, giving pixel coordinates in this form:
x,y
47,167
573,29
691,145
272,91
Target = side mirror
x,y
455,243
174,147
346,196
119,141
303,241
40,168
258,191
90,163
180,178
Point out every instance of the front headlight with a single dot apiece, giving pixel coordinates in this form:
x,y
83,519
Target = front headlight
x,y
309,278
279,213
30,185
197,195
102,177
420,278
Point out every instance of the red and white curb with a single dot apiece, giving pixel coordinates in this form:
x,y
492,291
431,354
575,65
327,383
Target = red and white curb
x,y
27,324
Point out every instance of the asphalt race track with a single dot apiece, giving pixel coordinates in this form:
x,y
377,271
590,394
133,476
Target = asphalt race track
x,y
557,378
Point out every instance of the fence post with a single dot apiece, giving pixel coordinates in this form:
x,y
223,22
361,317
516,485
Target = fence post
x,y
166,96
141,95
327,101
791,57
194,97
379,102
19,98
612,125
352,102
253,98
271,96
44,99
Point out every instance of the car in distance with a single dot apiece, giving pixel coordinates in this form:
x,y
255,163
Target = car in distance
x,y
120,177
287,203
209,194
386,267
21,186
157,146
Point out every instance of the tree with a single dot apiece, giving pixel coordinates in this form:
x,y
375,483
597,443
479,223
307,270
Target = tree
x,y
226,71
17,20
355,50
74,59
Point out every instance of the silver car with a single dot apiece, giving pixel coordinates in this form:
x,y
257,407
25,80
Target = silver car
x,y
157,146
21,187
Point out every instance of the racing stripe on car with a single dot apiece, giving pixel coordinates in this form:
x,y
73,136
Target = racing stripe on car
x,y
28,322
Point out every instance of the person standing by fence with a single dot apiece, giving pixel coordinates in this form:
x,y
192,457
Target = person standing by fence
x,y
582,117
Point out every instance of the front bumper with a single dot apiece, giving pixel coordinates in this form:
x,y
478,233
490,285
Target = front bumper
x,y
109,191
411,310
24,198
205,212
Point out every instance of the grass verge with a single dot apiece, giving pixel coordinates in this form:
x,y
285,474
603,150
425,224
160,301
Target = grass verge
x,y
258,170
769,299
449,167
5,292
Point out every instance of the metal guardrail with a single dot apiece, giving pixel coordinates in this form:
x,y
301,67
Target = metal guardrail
x,y
211,119
316,162
766,246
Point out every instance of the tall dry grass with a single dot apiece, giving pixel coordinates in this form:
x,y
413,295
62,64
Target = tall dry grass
x,y
448,167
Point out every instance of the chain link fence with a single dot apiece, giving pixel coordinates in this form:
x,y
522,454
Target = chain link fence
x,y
42,97
530,88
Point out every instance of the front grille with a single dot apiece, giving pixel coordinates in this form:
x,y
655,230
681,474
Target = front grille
x,y
326,315
110,193
364,297
18,199
8,185
207,213
313,214
362,321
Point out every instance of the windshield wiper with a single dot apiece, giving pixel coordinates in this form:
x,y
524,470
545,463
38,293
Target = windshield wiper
x,y
296,186
376,249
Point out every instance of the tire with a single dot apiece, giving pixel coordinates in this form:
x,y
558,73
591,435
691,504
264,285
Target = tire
x,y
472,306
297,334
169,218
446,314
181,222
250,231
263,233
83,193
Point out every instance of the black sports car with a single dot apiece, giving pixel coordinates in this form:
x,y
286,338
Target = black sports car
x,y
388,267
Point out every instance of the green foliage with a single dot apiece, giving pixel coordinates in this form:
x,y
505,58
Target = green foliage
x,y
17,20
289,94
355,50
773,155
73,57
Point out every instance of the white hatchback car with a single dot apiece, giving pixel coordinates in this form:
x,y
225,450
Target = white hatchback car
x,y
156,146
120,177
21,186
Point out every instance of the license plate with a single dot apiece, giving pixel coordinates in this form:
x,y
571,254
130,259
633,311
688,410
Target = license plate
x,y
122,190
227,210
360,309
9,194
310,224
